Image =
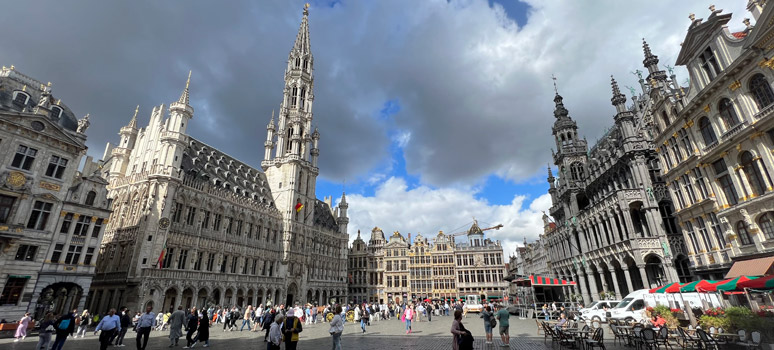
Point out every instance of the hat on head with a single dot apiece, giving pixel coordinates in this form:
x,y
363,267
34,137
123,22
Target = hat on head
x,y
290,312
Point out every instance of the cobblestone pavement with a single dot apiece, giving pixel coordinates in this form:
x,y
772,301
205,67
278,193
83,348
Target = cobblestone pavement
x,y
381,335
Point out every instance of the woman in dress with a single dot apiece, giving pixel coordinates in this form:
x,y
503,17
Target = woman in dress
x,y
204,329
21,329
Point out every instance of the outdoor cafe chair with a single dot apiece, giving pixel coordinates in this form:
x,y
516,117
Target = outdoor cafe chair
x,y
742,337
753,342
583,335
663,338
547,329
565,339
648,336
595,324
635,337
686,340
707,341
597,340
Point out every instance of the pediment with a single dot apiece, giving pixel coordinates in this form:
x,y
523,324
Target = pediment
x,y
55,131
699,35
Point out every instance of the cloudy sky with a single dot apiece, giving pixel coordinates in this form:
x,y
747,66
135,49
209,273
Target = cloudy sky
x,y
431,112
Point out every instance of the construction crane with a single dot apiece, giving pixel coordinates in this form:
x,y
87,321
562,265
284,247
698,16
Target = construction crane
x,y
496,227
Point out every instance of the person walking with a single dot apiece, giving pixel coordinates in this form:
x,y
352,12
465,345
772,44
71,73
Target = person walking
x,y
246,318
488,317
83,323
146,321
545,312
109,325
275,333
46,328
126,321
65,326
408,315
364,318
503,316
176,321
204,330
21,329
192,323
461,337
267,322
337,327
291,329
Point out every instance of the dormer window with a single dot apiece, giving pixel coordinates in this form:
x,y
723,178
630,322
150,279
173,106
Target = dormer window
x,y
709,63
56,112
20,98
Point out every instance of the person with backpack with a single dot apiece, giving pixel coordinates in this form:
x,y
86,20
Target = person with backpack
x,y
46,328
267,321
64,326
489,323
462,339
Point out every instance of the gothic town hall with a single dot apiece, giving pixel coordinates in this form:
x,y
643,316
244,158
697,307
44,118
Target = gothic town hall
x,y
193,226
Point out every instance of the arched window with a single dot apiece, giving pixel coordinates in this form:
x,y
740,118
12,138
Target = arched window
x,y
303,97
20,98
753,174
90,197
707,133
766,223
306,63
761,91
56,112
294,97
727,113
709,63
576,171
298,62
743,235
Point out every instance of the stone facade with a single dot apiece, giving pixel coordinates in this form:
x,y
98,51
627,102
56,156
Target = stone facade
x,y
51,215
715,139
616,228
193,226
401,269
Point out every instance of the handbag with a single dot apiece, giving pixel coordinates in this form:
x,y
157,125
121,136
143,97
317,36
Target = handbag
x,y
492,322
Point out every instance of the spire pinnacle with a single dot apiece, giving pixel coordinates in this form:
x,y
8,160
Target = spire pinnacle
x,y
184,97
550,173
302,44
619,99
646,48
133,121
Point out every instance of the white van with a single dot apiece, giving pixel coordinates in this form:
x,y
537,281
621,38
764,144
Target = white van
x,y
596,311
632,307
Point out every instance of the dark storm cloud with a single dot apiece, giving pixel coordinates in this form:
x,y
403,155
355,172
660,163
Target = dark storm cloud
x,y
474,88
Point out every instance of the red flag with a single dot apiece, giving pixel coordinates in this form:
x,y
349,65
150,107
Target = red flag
x,y
161,256
299,206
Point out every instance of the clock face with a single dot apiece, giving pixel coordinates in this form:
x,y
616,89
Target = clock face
x,y
164,223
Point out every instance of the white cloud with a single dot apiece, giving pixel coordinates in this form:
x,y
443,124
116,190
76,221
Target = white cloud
x,y
395,207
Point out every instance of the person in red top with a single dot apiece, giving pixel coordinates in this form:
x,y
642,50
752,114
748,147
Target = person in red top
x,y
658,321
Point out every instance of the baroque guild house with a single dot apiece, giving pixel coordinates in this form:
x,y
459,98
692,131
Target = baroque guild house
x,y
51,215
193,226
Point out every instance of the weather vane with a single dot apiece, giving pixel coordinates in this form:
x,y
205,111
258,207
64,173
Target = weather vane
x,y
555,88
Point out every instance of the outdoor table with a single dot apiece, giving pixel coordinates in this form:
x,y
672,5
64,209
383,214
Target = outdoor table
x,y
725,336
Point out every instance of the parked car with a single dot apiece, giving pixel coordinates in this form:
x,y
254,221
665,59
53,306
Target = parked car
x,y
597,311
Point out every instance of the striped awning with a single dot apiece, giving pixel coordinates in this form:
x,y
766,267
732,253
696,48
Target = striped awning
x,y
548,281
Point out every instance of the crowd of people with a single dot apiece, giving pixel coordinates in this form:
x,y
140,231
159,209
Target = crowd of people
x,y
278,323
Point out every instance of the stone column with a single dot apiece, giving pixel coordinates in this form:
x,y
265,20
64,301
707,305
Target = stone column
x,y
615,283
644,276
593,287
583,291
602,277
628,276
178,298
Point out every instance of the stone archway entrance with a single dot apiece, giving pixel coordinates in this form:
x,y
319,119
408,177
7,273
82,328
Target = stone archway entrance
x,y
58,298
170,299
291,294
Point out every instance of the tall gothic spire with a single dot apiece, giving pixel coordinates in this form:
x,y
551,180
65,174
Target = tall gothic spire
x,y
302,44
619,99
184,96
650,58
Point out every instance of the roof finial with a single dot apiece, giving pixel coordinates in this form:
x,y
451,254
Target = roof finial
x,y
306,9
184,97
692,17
556,90
646,48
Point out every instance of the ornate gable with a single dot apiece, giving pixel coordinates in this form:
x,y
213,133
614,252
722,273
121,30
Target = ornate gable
x,y
699,34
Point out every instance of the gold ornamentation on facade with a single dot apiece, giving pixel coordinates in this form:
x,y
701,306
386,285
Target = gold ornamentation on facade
x,y
16,179
93,219
76,216
706,109
689,123
735,85
63,213
49,186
